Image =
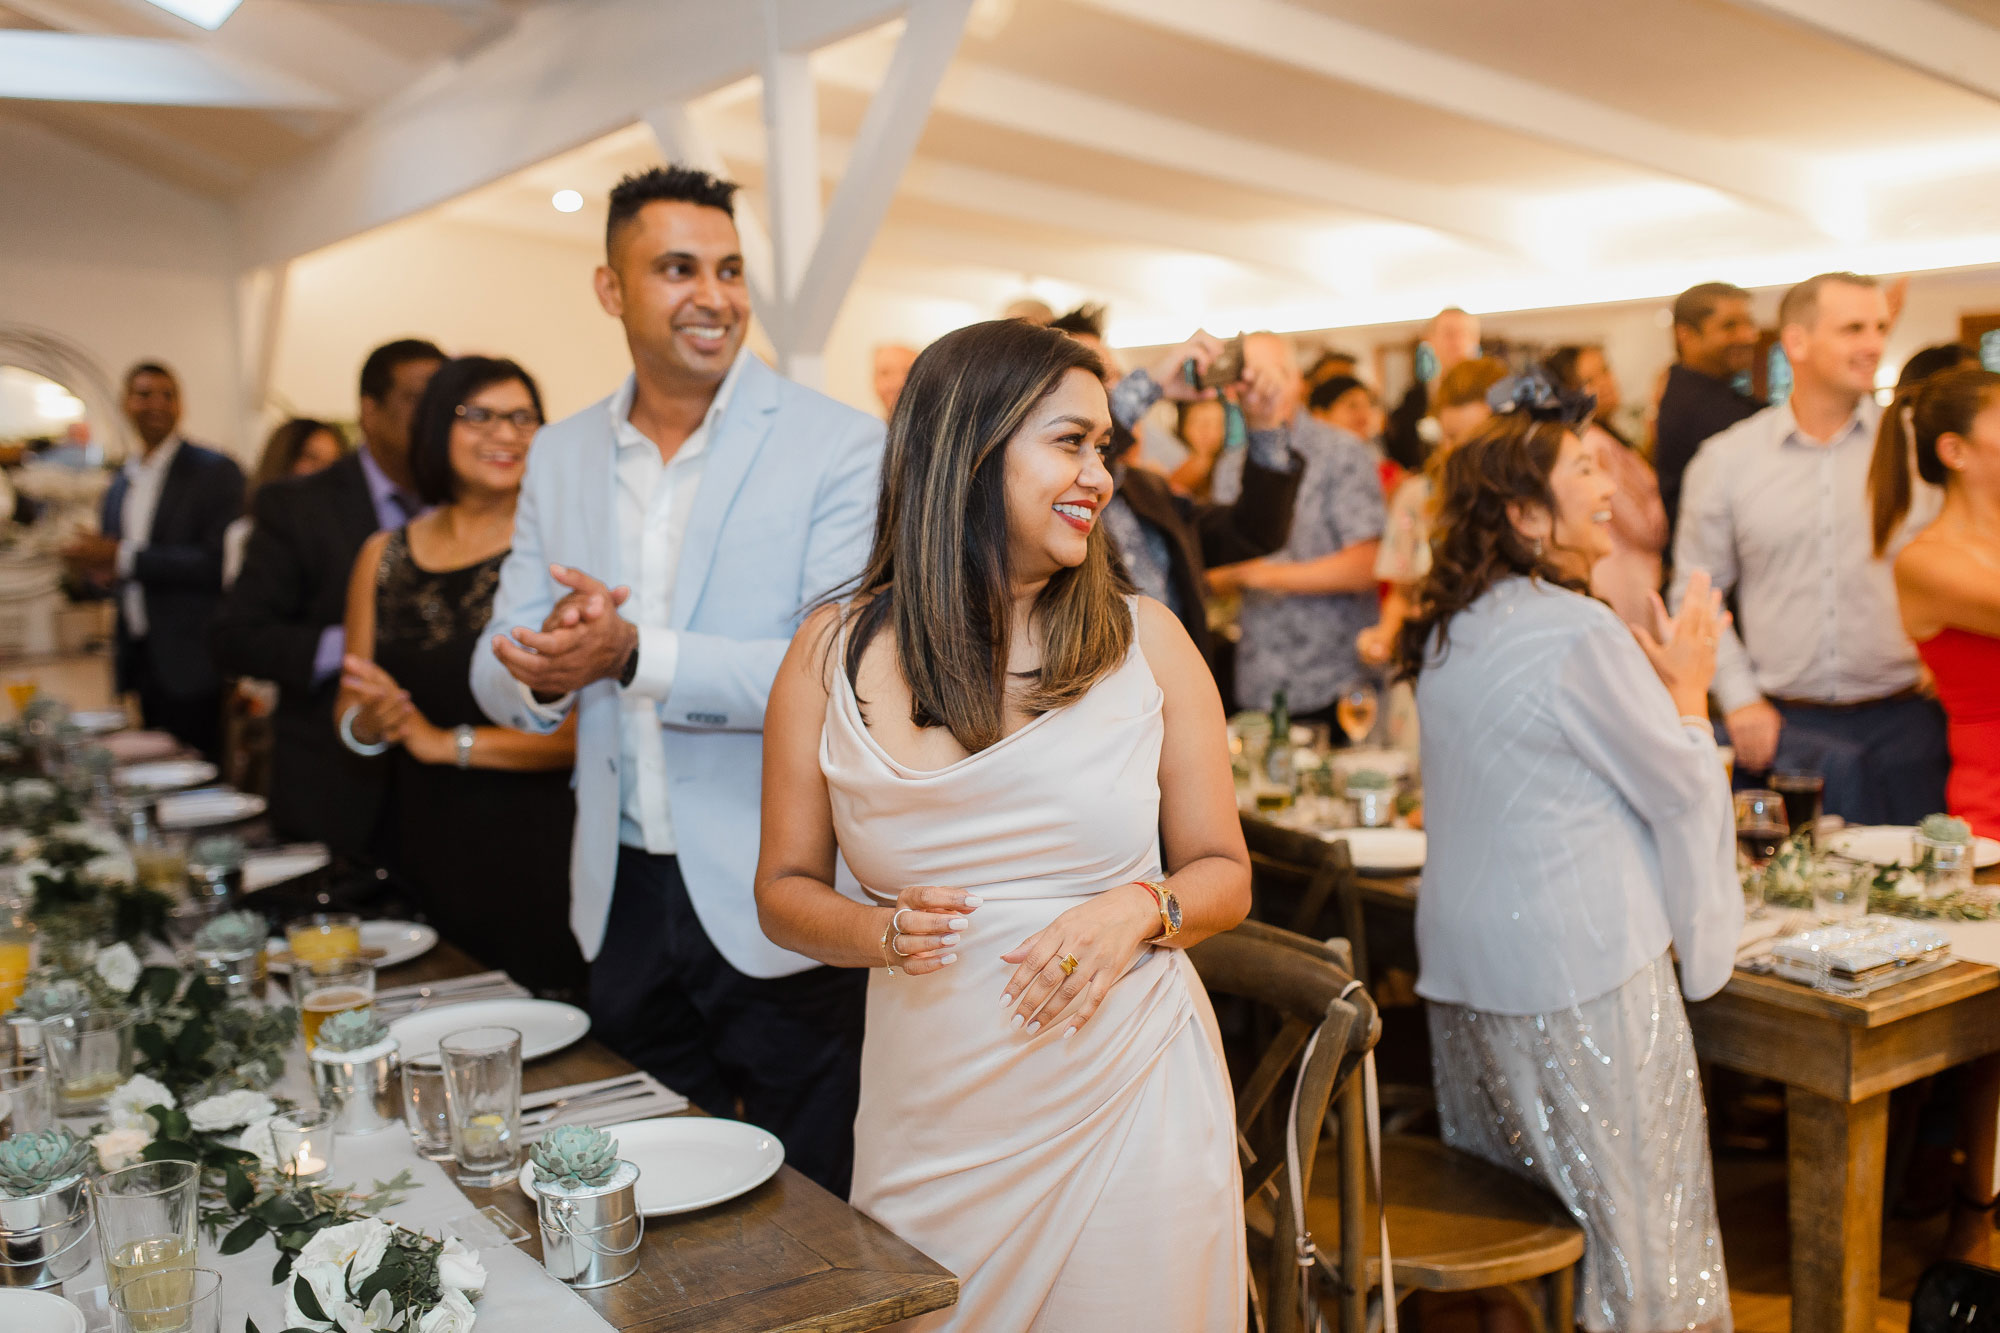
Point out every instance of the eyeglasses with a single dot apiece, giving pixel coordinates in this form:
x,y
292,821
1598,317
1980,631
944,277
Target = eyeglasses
x,y
485,418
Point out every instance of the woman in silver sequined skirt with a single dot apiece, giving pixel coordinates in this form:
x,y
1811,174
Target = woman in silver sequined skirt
x,y
1579,826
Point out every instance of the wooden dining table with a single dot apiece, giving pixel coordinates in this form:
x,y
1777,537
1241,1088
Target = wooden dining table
x,y
785,1256
1838,1059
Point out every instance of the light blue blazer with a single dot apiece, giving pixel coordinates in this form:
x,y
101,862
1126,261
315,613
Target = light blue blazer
x,y
785,512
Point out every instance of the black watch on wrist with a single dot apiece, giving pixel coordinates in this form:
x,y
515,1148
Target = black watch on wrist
x,y
631,670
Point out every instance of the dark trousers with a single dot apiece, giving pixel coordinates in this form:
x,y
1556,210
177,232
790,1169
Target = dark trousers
x,y
785,1050
193,719
1883,763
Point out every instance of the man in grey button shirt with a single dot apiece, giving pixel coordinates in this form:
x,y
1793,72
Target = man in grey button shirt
x,y
1776,508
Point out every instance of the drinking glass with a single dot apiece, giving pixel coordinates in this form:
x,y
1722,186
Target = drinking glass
x,y
1840,891
91,1054
482,1090
325,937
26,1101
185,1300
424,1110
1944,868
17,950
330,986
21,691
1356,713
1761,829
145,1230
302,1141
1803,793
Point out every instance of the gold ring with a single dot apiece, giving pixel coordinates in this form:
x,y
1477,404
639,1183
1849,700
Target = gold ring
x,y
1068,964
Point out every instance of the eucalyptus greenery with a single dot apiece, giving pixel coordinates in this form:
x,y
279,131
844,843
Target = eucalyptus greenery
x,y
574,1156
192,1038
1785,882
74,903
33,1161
254,1206
351,1030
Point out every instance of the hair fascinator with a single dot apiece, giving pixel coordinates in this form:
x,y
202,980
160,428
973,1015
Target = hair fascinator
x,y
1534,394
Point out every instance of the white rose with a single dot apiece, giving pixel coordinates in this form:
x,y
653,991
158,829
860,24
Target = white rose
x,y
453,1314
459,1268
111,866
120,1147
256,1140
33,791
329,1288
127,1104
355,1248
119,967
226,1110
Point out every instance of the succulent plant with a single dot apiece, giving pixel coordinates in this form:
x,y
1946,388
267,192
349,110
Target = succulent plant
x,y
45,708
45,997
574,1156
351,1030
1369,779
1944,828
222,849
232,932
31,1162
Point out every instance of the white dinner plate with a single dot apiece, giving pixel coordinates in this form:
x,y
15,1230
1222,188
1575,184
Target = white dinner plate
x,y
690,1161
132,747
167,774
264,869
25,1311
1889,844
100,721
1383,851
546,1026
399,942
206,809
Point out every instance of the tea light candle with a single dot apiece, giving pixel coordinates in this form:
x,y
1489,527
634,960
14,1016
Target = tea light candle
x,y
304,1143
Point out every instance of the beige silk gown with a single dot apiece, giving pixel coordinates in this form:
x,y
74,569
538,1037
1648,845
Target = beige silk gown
x,y
1073,1185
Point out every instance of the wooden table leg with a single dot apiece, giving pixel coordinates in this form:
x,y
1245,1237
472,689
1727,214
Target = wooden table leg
x,y
1837,1156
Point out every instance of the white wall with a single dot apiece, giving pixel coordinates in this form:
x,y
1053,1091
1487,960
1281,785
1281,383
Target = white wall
x,y
125,267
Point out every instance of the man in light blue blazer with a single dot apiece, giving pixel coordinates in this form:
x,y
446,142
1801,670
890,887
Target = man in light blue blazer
x,y
666,544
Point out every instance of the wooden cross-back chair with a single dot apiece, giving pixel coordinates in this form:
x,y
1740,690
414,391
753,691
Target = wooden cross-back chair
x,y
1307,988
1310,872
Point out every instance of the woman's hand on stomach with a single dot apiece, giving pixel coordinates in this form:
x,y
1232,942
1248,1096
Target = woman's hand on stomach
x,y
1103,935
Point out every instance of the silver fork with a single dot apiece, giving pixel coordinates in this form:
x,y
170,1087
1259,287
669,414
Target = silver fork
x,y
635,1085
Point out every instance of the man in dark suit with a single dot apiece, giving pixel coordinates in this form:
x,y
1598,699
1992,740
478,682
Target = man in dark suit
x,y
160,546
1715,340
282,621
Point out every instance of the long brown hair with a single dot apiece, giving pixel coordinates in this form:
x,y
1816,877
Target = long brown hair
x,y
938,571
1946,402
1474,545
283,446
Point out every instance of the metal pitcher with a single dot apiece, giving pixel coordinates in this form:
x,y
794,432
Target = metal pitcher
x,y
591,1234
41,1236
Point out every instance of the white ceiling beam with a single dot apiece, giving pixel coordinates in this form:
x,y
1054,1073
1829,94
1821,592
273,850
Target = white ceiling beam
x,y
1085,120
1327,47
569,71
1930,38
144,71
682,138
791,136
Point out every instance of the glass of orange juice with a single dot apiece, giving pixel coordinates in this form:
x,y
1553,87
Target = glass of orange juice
x,y
325,937
17,959
21,691
330,986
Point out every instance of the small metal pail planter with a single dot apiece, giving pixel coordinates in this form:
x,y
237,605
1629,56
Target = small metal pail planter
x,y
591,1235
1374,807
41,1236
361,1088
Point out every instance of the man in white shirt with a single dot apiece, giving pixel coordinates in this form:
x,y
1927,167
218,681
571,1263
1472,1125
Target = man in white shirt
x,y
667,543
1822,677
162,527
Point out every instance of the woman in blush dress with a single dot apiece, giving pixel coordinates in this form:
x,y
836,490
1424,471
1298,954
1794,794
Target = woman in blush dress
x,y
1579,825
1025,767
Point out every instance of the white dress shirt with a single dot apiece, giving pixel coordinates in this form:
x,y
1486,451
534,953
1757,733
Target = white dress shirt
x,y
1577,826
1783,520
145,477
655,498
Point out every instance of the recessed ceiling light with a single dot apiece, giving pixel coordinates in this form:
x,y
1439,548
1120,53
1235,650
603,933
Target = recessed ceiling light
x,y
208,13
567,201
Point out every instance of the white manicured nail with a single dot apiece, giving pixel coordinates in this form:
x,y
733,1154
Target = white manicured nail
x,y
956,923
949,940
1034,1027
1006,999
973,900
948,960
1068,1033
1018,1020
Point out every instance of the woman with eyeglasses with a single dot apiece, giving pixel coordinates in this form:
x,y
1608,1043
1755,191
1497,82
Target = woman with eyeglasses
x,y
483,813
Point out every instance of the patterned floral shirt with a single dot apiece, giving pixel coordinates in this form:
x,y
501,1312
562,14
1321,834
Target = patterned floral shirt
x,y
1304,643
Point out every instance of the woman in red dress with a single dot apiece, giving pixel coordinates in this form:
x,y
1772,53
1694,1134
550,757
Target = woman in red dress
x,y
1948,574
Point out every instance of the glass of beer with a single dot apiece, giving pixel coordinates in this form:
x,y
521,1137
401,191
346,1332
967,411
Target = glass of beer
x,y
189,1301
330,987
90,1054
145,1217
1804,794
325,937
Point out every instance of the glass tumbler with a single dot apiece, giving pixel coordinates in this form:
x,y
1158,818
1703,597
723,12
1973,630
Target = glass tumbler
x,y
424,1110
27,1103
145,1218
91,1055
1945,868
186,1300
482,1090
324,936
1840,891
330,986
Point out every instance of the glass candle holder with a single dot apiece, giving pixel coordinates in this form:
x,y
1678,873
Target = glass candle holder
x,y
482,1088
145,1218
302,1141
325,937
1840,891
27,1102
91,1054
185,1300
1944,868
330,986
424,1110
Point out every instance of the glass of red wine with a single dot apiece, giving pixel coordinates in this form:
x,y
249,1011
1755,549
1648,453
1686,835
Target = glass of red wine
x,y
1761,829
1805,793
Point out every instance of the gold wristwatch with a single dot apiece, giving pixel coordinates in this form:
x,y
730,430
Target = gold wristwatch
x,y
1170,910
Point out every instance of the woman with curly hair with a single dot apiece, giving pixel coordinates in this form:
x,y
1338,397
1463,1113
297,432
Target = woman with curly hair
x,y
1579,824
